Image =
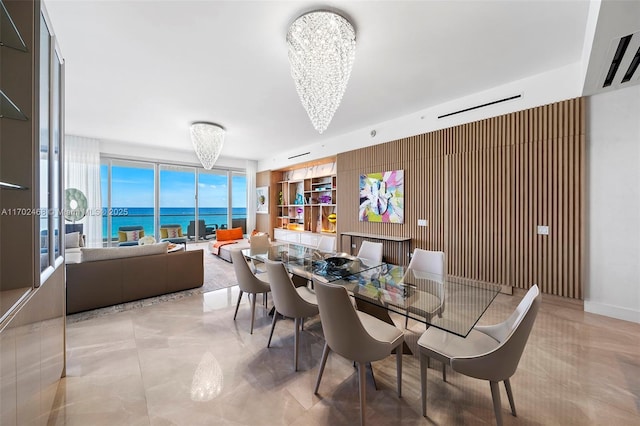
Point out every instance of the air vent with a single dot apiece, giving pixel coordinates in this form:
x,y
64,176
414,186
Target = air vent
x,y
617,58
632,67
625,57
480,106
299,155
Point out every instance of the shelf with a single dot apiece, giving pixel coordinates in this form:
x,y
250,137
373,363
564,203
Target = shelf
x,y
9,35
9,110
319,195
13,186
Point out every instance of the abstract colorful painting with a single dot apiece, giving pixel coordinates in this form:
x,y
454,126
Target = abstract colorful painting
x,y
382,197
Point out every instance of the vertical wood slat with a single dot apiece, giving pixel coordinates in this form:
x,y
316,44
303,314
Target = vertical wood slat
x,y
484,187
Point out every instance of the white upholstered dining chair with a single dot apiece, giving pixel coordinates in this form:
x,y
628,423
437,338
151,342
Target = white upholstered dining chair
x,y
248,282
431,262
371,252
326,243
259,244
355,335
290,301
489,352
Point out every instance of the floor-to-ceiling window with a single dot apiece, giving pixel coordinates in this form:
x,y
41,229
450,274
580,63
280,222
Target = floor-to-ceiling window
x,y
213,199
152,194
239,200
177,197
131,196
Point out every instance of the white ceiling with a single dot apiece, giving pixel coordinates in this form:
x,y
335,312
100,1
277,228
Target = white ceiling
x,y
141,71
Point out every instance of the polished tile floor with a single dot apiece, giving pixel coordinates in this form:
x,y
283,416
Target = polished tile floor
x,y
186,362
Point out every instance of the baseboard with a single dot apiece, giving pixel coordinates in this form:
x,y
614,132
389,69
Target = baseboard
x,y
612,311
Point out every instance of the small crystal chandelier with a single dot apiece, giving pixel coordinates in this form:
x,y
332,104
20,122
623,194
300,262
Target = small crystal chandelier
x,y
207,139
322,47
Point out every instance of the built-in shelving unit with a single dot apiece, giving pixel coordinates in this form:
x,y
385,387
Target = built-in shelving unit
x,y
306,200
305,205
32,271
10,37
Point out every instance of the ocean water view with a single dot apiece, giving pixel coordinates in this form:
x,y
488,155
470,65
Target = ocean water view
x,y
144,216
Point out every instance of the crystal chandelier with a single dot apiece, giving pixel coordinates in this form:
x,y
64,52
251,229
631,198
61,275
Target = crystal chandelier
x,y
322,47
207,141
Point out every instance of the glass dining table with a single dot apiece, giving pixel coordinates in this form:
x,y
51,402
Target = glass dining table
x,y
452,304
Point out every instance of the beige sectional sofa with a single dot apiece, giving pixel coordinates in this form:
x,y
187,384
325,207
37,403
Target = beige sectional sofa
x,y
109,276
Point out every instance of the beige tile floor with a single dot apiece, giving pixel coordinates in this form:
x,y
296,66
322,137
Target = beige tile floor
x,y
160,364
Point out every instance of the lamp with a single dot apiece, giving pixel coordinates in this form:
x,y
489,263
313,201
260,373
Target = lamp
x,y
322,48
207,139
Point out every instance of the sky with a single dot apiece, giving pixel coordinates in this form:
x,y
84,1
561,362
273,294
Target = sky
x,y
133,187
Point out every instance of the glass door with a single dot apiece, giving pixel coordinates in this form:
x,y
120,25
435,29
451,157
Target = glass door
x,y
132,199
213,202
178,199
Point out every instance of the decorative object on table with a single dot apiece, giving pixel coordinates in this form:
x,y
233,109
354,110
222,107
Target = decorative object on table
x,y
299,212
75,204
322,48
262,199
382,197
146,240
207,139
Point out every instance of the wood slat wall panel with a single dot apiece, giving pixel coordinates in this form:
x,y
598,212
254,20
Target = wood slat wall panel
x,y
484,187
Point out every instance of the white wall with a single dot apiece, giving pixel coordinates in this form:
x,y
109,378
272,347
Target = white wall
x,y
612,284
541,89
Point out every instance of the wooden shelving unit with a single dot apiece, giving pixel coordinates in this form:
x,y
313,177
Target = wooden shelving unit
x,y
304,206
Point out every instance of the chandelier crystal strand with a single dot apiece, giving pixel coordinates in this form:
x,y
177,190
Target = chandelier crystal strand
x,y
208,140
322,48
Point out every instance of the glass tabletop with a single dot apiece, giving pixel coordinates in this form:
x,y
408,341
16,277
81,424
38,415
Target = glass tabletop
x,y
311,263
451,304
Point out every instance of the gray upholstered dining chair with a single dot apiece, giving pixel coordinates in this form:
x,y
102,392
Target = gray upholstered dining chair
x,y
290,301
356,336
431,262
259,244
489,352
248,283
371,252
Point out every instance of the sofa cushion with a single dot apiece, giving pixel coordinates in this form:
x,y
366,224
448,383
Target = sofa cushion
x,y
95,254
171,232
124,236
72,255
229,234
72,240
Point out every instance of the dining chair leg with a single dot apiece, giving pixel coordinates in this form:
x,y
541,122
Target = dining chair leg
x,y
237,305
423,383
373,376
302,324
325,355
362,386
273,326
497,405
264,299
399,369
406,321
444,371
296,342
253,310
507,386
